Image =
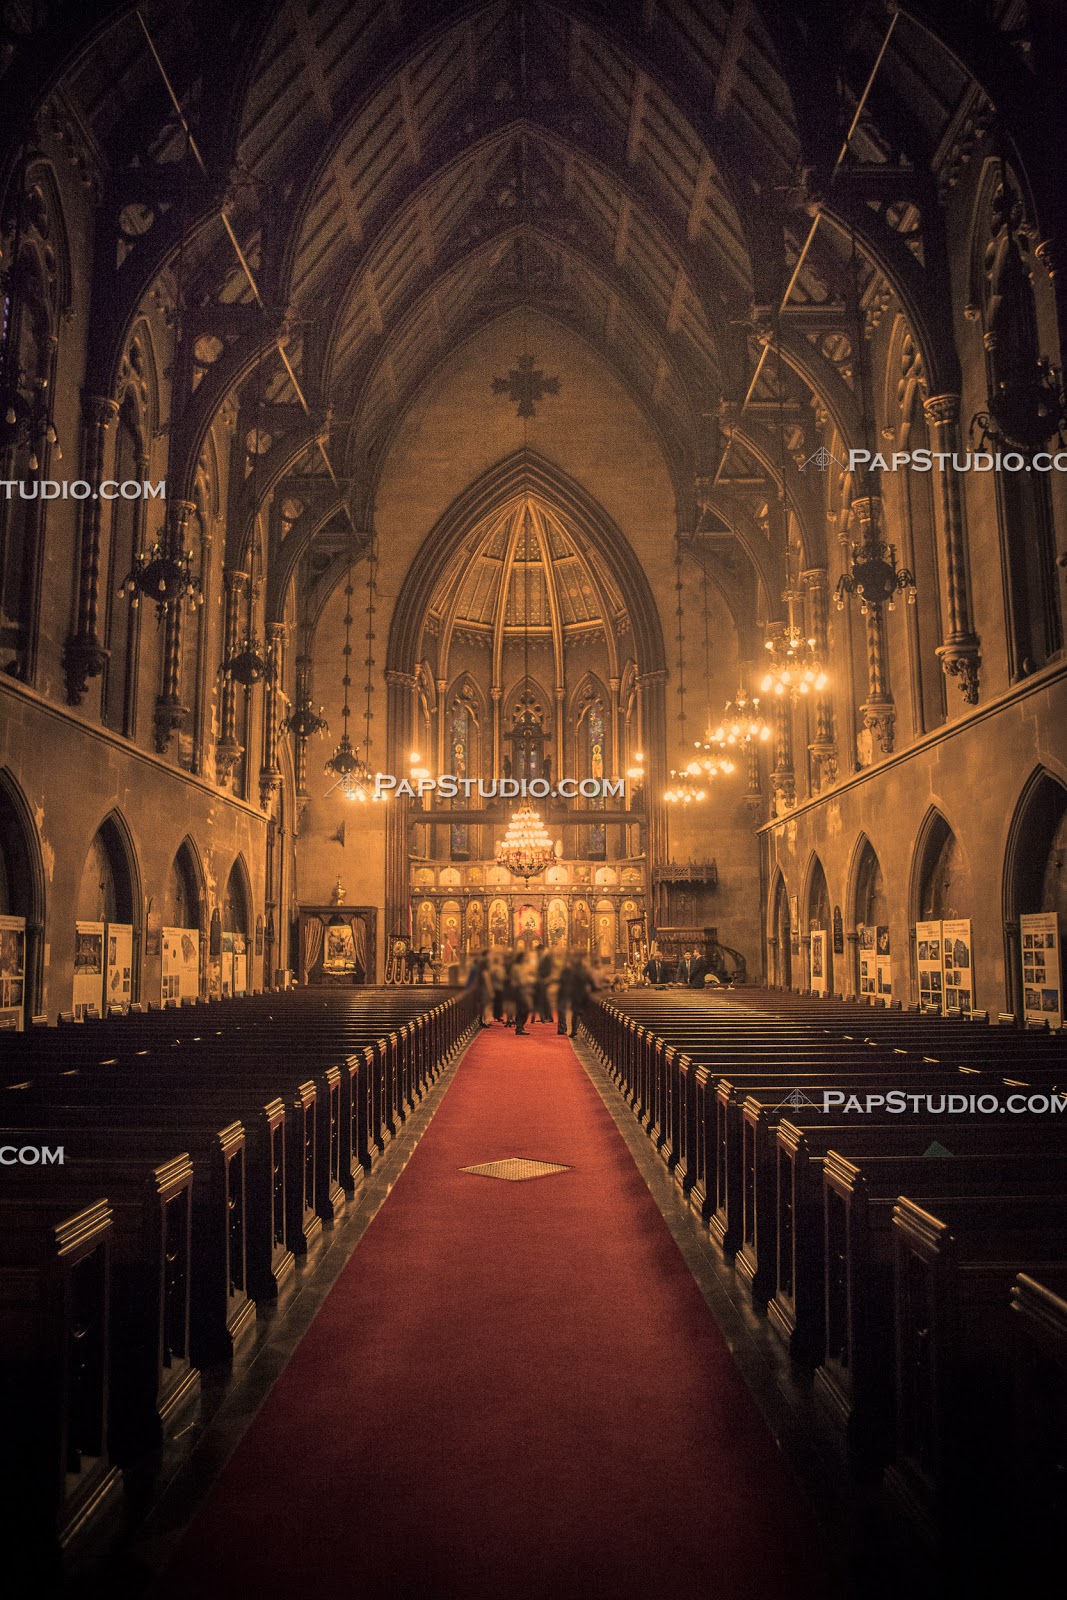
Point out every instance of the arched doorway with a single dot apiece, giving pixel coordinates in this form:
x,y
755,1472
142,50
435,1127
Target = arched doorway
x,y
183,921
1035,882
818,925
107,922
22,905
870,912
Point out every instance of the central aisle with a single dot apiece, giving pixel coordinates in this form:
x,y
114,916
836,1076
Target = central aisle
x,y
514,1389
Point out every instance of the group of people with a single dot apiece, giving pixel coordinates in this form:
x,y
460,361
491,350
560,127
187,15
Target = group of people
x,y
691,970
516,987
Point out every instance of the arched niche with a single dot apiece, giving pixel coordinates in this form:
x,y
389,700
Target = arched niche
x,y
942,880
870,912
818,917
1035,869
183,902
22,896
781,935
108,890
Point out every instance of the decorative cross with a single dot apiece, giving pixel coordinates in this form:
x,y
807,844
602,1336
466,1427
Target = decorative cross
x,y
526,384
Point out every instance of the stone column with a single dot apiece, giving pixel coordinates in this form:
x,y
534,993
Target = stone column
x,y
960,654
823,748
783,778
228,750
170,713
270,775
84,656
879,709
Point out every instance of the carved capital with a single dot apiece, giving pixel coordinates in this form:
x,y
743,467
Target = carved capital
x,y
270,780
880,719
227,754
168,719
942,408
961,659
84,657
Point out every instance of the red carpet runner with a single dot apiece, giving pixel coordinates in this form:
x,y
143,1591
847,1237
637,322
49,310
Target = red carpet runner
x,y
514,1389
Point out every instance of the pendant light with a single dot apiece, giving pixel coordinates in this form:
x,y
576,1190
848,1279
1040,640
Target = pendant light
x,y
873,575
794,667
249,664
711,752
163,573
352,771
686,787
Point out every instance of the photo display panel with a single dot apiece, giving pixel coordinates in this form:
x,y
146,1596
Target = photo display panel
x,y
1039,937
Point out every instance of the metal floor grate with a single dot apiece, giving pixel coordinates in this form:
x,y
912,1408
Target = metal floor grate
x,y
515,1169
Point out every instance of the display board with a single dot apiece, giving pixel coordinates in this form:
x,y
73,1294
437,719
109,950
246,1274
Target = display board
x,y
118,969
12,973
1039,934
181,965
818,961
957,965
883,960
928,961
868,962
88,967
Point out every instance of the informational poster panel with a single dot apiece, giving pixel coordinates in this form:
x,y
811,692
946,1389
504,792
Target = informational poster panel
x,y
226,965
240,964
868,962
88,967
883,956
928,961
118,972
818,961
12,973
181,965
957,965
1039,933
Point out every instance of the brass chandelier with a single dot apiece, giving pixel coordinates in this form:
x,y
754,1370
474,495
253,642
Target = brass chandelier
x,y
686,787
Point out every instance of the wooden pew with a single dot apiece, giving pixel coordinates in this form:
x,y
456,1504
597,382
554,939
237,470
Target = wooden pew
x,y
153,1380
956,1263
1038,1446
854,1379
55,1359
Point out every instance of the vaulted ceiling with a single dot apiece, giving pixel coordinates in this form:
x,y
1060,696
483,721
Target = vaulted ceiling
x,y
373,183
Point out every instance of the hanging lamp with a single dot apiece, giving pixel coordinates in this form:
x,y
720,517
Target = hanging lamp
x,y
686,785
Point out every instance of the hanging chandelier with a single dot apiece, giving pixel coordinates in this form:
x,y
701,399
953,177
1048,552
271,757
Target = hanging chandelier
x,y
794,667
163,574
873,575
526,849
304,722
250,664
712,759
743,724
686,785
352,771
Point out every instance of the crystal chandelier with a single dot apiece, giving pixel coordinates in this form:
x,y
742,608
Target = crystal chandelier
x,y
742,724
794,666
685,787
526,849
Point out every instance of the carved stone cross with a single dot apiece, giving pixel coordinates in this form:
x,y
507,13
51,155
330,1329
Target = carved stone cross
x,y
526,384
